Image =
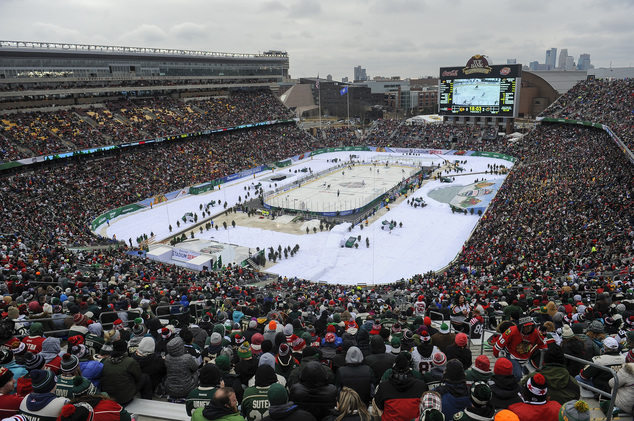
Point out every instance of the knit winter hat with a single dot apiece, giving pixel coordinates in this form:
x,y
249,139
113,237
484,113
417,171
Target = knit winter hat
x,y
277,394
33,361
424,336
535,389
244,351
444,328
298,344
566,332
256,341
223,363
209,375
630,356
69,363
503,367
216,339
596,327
462,339
396,345
5,376
432,415
43,381
574,411
284,350
482,363
288,329
79,319
117,324
402,362
506,415
430,400
439,359
454,371
6,356
480,394
82,387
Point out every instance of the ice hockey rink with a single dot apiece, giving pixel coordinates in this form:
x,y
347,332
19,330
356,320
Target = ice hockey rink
x,y
346,188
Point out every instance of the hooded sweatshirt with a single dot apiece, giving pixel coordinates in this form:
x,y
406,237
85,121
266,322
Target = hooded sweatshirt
x,y
356,375
42,406
288,412
379,361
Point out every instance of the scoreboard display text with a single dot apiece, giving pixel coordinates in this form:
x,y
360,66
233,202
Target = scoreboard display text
x,y
494,93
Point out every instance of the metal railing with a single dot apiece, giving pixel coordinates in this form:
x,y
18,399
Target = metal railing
x,y
615,387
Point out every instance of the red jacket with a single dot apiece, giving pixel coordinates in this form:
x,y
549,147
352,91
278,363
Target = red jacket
x,y
9,405
548,411
518,345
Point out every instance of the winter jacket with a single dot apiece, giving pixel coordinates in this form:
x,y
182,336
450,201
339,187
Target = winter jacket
x,y
575,347
17,370
625,395
474,374
288,412
152,365
356,375
120,377
443,340
9,405
475,414
548,411
213,412
399,396
42,406
504,391
455,398
379,361
314,393
182,370
562,387
463,354
92,370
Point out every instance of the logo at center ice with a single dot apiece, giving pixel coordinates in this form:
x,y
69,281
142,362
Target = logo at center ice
x,y
352,184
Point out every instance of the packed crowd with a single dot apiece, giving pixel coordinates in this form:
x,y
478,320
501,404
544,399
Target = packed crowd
x,y
29,134
603,101
292,349
561,221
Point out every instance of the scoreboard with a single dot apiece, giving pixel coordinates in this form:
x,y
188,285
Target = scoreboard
x,y
479,90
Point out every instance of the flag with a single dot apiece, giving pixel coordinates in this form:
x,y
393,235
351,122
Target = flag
x,y
317,83
344,91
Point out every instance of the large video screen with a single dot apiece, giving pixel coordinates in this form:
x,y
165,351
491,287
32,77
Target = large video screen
x,y
495,93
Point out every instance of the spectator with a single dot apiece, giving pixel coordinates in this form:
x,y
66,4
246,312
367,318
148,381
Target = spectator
x,y
223,406
453,390
535,404
398,397
480,408
562,386
349,407
181,370
460,351
9,402
42,403
624,401
255,403
480,371
443,338
356,375
610,357
210,379
379,361
314,393
281,409
122,377
504,386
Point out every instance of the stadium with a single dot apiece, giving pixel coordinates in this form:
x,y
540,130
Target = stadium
x,y
96,141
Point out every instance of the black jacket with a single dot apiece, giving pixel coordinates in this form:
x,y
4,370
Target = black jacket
x,y
356,375
504,391
314,393
288,412
379,361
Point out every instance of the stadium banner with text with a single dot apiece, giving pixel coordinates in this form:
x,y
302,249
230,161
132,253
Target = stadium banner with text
x,y
115,213
342,149
495,155
183,255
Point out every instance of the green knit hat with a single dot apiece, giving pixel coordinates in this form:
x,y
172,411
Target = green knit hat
x,y
574,411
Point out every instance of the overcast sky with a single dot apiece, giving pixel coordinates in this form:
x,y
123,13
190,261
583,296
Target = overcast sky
x,y
407,38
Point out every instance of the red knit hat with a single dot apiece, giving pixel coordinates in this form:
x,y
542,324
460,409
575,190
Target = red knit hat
x,y
331,328
462,339
482,363
503,367
424,336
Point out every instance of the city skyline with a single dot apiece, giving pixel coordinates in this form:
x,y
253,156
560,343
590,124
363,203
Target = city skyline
x,y
406,38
